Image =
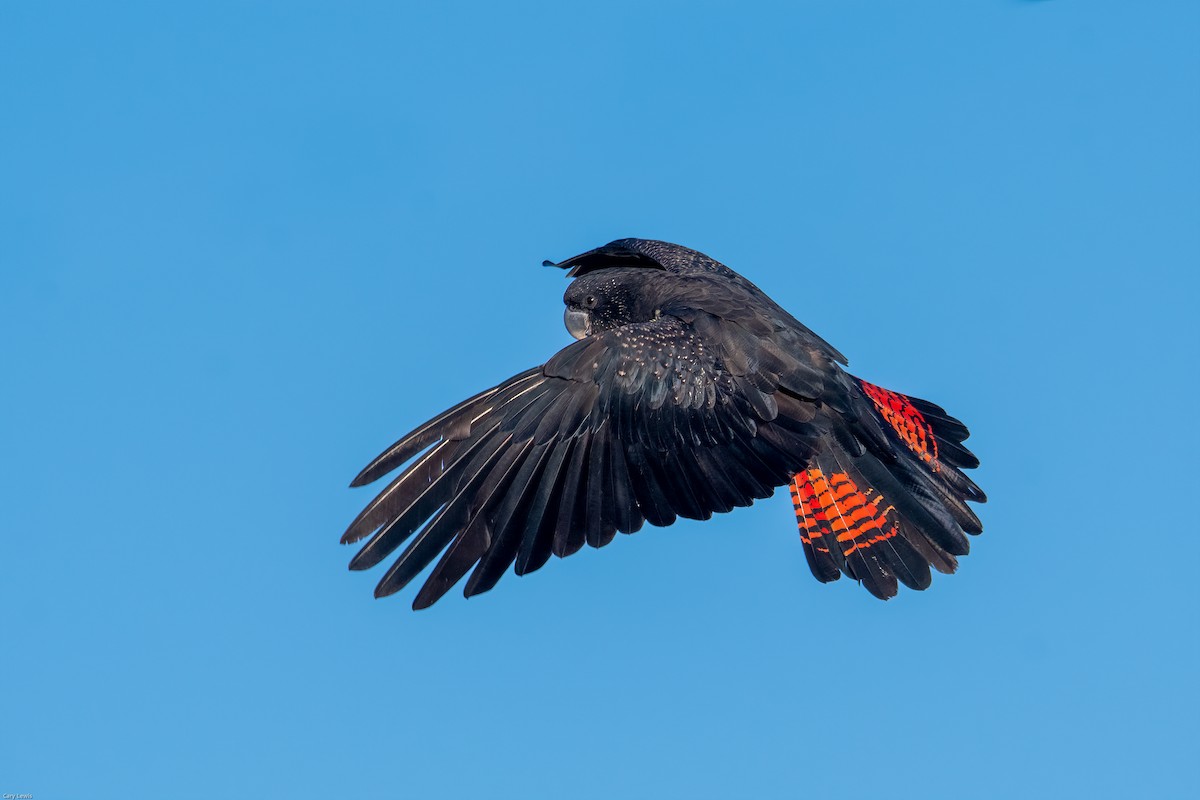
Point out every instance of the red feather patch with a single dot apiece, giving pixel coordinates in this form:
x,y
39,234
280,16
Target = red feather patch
x,y
833,512
909,423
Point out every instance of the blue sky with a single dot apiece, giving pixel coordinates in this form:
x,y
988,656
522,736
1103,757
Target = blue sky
x,y
246,246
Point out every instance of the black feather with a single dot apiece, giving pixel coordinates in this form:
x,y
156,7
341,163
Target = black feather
x,y
448,424
651,499
569,534
410,505
470,543
509,522
627,517
600,526
538,535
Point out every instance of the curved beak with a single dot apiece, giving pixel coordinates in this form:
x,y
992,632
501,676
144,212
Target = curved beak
x,y
579,323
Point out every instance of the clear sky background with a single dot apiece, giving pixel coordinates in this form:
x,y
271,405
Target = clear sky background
x,y
246,246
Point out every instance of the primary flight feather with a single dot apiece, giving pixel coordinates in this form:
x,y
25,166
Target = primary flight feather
x,y
689,392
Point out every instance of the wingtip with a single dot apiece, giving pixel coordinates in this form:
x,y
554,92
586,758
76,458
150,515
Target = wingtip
x,y
353,534
434,589
383,589
475,588
363,478
424,600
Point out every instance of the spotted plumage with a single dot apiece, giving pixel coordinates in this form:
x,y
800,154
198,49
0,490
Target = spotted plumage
x,y
689,392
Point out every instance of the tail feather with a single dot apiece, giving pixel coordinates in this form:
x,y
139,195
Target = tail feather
x,y
887,500
848,525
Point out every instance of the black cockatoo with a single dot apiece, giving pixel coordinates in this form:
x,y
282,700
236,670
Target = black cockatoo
x,y
689,392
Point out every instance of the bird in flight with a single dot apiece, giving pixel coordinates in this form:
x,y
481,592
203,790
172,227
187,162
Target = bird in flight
x,y
688,392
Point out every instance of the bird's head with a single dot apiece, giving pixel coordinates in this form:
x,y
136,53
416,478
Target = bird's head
x,y
616,284
607,299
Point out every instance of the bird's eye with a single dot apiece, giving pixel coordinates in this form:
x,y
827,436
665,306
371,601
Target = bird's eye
x,y
589,301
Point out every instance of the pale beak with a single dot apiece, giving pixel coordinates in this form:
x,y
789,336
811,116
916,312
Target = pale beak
x,y
579,323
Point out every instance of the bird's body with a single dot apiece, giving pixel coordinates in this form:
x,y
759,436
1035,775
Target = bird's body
x,y
689,392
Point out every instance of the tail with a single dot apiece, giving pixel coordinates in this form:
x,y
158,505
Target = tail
x,y
886,499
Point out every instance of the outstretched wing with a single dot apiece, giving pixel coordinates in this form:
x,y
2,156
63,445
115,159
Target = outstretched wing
x,y
644,423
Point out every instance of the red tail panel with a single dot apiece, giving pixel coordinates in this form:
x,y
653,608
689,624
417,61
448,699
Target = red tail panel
x,y
909,423
833,512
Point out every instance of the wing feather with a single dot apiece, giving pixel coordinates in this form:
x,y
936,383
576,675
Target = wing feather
x,y
639,424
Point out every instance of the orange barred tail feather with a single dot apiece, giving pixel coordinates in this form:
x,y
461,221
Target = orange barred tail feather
x,y
888,502
846,525
815,532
